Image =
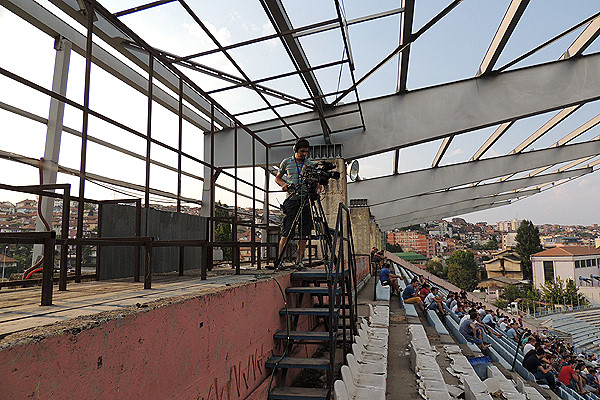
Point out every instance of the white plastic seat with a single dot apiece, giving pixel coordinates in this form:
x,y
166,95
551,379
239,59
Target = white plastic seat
x,y
359,393
364,357
373,329
369,348
363,374
339,390
382,334
371,341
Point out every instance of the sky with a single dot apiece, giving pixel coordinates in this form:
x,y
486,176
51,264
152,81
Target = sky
x,y
451,50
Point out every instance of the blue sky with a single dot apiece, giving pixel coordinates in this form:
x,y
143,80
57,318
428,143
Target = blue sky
x,y
451,50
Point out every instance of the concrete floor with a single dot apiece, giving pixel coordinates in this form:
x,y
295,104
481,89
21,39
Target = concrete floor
x,y
20,309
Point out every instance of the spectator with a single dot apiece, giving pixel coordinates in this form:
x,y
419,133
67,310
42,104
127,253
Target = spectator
x,y
529,346
424,291
409,295
512,332
488,319
540,368
570,377
468,329
433,301
388,279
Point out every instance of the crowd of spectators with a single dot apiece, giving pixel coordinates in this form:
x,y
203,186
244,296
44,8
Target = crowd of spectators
x,y
551,360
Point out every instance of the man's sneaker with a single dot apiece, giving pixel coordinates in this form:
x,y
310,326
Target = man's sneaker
x,y
282,267
299,266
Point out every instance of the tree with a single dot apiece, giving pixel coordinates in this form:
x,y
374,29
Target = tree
x,y
223,229
511,293
490,245
462,270
435,267
393,248
528,243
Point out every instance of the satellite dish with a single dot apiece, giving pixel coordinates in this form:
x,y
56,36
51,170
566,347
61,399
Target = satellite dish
x,y
353,171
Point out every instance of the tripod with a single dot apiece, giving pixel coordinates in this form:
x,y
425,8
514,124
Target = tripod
x,y
319,223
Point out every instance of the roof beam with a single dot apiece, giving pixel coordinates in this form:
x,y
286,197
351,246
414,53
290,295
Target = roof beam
x,y
431,200
507,26
406,25
53,26
579,45
432,113
584,40
401,222
491,140
441,151
453,207
430,180
281,22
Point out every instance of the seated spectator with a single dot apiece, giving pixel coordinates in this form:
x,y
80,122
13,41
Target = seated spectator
x,y
433,301
570,377
529,346
511,332
591,381
468,329
409,296
451,300
424,291
388,279
488,319
540,368
502,324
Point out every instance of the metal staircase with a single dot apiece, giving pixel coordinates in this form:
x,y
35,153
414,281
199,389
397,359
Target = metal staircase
x,y
333,292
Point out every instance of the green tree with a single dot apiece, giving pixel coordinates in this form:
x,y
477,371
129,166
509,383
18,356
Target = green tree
x,y
223,229
553,291
528,243
462,270
491,245
434,267
393,248
511,292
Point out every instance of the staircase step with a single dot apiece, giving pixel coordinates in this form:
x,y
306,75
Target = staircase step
x,y
308,311
298,362
304,335
297,393
310,289
314,274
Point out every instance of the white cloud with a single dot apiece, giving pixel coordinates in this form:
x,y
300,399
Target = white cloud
x,y
456,152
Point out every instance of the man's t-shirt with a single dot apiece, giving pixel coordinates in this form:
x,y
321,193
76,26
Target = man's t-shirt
x,y
465,327
384,275
408,292
488,319
429,299
532,363
565,374
511,333
291,171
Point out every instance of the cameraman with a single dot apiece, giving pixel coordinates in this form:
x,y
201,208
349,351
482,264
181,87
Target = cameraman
x,y
291,168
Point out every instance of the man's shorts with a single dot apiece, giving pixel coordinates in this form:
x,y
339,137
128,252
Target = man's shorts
x,y
290,208
432,306
413,300
472,339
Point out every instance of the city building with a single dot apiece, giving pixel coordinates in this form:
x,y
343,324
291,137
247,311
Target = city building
x,y
504,264
414,241
565,262
509,240
509,226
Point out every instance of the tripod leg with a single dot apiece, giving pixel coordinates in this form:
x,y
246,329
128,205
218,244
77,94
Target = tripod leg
x,y
279,259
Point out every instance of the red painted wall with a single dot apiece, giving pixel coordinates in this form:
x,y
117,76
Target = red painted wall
x,y
213,346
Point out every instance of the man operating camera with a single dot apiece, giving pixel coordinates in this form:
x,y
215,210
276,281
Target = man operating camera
x,y
288,177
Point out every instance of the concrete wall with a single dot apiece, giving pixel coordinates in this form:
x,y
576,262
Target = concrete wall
x,y
119,221
212,346
361,229
335,192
